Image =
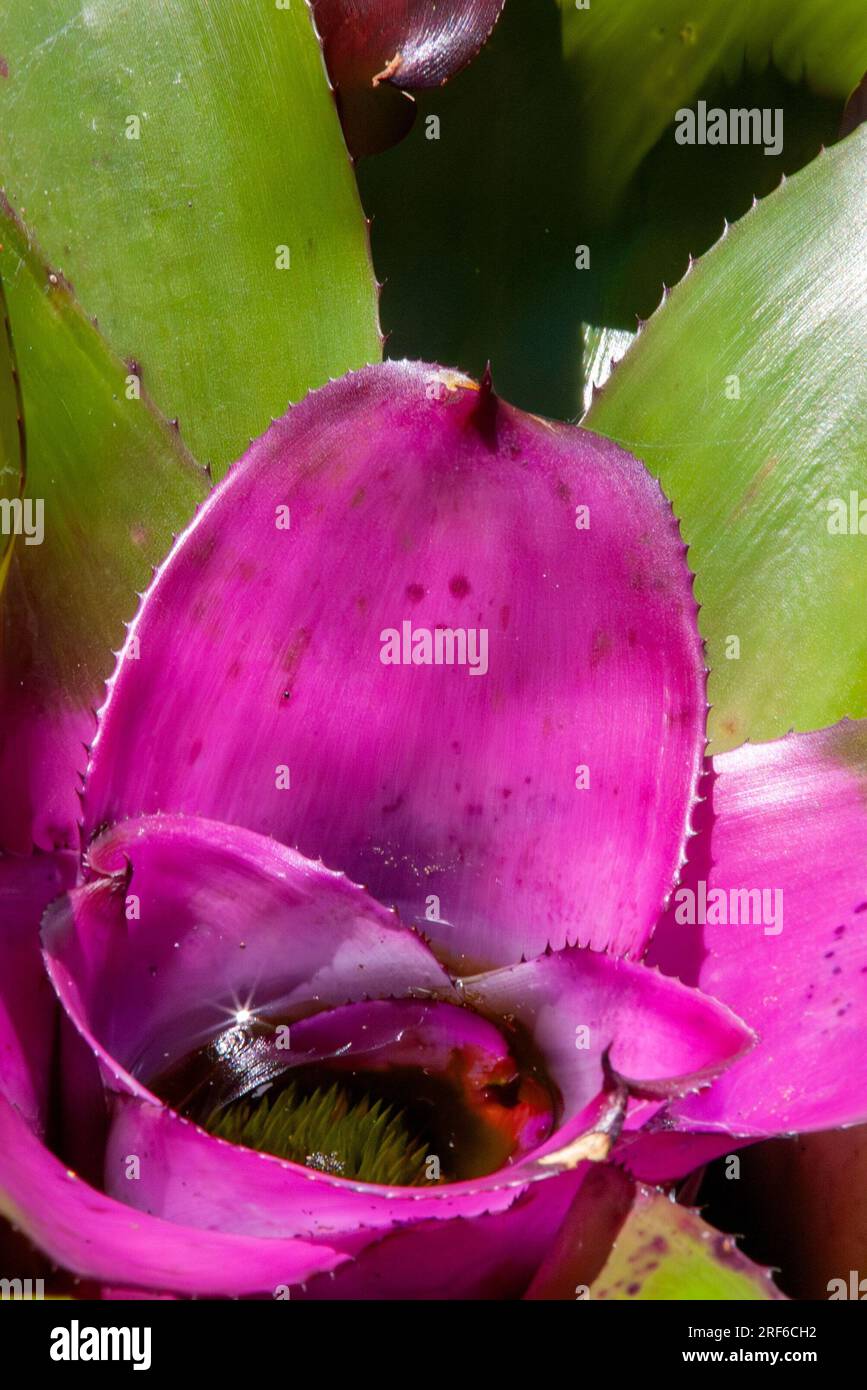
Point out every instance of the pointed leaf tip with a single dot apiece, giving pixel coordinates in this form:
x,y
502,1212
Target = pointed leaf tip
x,y
394,47
540,603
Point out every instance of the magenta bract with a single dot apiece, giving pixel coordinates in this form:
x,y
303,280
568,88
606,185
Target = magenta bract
x,y
446,647
787,848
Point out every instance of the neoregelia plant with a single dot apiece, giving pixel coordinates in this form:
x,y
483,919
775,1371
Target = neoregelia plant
x,y
397,934
223,979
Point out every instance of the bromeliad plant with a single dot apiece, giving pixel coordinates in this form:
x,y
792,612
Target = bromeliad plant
x,y
405,941
293,1065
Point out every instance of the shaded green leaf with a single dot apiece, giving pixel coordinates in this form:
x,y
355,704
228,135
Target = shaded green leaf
x,y
774,315
114,481
164,153
502,203
635,64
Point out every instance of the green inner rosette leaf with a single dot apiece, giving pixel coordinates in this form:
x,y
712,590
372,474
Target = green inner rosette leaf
x,y
745,395
635,64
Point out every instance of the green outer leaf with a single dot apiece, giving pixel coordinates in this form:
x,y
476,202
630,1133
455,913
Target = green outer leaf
x,y
665,55
11,435
115,481
779,302
667,1253
171,239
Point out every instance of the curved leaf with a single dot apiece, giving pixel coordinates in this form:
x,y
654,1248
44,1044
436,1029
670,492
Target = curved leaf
x,y
745,395
583,1243
97,1237
375,47
113,481
28,1006
792,814
666,1252
192,180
